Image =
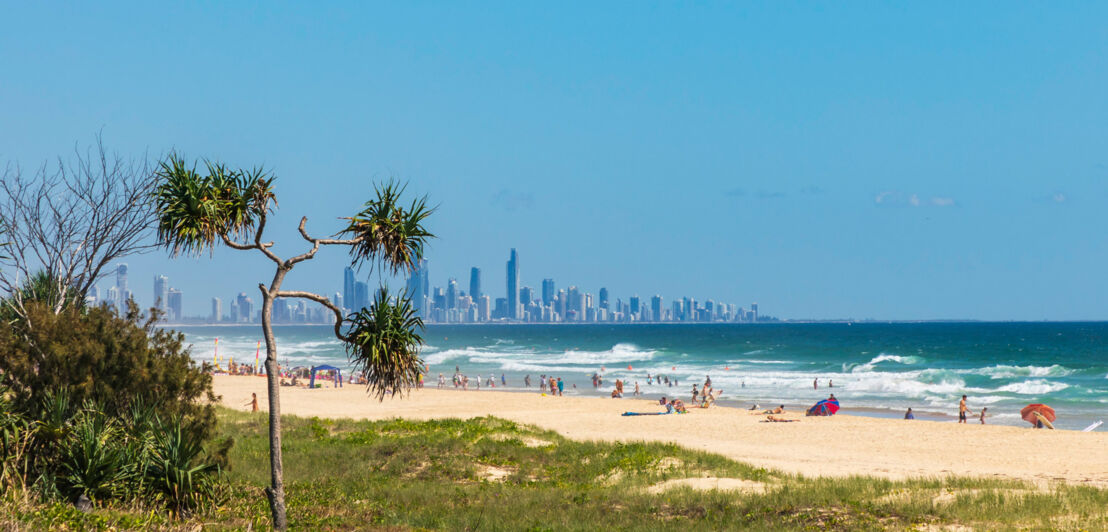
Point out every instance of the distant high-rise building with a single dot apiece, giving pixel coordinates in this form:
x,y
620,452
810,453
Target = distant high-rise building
x,y
174,304
513,285
217,310
604,298
113,299
337,300
244,306
483,310
475,283
635,304
161,295
547,292
122,293
361,295
754,312
451,293
526,296
418,289
348,285
656,308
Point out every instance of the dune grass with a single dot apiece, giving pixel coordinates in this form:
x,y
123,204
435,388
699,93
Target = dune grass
x,y
492,474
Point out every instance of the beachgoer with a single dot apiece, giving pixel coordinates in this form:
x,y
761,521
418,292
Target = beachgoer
x,y
542,384
909,414
830,383
527,380
503,380
561,386
615,394
637,392
695,392
679,406
963,410
707,381
253,402
982,418
815,384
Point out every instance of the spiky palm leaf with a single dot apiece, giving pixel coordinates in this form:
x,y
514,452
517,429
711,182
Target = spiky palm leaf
x,y
390,232
384,341
195,211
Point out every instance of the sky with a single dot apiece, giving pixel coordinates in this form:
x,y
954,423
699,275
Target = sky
x,y
871,160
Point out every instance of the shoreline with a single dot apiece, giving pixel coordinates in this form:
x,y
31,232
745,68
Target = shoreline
x,y
842,445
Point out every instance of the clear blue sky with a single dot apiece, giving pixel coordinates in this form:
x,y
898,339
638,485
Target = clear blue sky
x,y
868,160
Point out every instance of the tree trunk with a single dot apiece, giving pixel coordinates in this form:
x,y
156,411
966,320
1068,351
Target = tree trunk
x,y
276,492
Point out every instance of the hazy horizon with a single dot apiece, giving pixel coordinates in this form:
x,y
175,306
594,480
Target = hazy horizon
x,y
893,162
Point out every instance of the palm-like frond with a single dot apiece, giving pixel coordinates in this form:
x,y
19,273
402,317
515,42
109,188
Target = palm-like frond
x,y
389,231
195,211
384,342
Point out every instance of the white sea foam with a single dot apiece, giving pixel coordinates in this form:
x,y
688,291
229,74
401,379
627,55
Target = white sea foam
x,y
1033,387
883,357
1007,372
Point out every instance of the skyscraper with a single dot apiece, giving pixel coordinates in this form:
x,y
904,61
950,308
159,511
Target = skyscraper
x,y
173,303
656,308
418,288
547,291
603,298
123,294
361,295
348,285
635,304
217,310
513,285
161,295
451,293
337,300
475,283
245,307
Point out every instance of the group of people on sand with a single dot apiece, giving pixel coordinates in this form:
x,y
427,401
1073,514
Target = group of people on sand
x,y
462,381
963,412
555,384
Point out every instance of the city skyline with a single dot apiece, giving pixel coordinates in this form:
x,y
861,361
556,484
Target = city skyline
x,y
442,304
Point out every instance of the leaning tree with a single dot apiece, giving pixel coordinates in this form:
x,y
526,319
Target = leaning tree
x,y
229,206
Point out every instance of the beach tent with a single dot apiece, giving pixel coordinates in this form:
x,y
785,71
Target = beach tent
x,y
338,375
826,407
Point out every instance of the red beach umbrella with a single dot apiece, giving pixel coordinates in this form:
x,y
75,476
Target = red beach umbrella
x,y
1029,411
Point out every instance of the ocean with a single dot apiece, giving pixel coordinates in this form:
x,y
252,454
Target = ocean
x,y
877,369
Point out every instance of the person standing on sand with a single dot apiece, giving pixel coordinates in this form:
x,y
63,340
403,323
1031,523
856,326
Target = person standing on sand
x,y
695,393
527,380
561,386
542,384
503,380
637,392
253,403
963,410
983,409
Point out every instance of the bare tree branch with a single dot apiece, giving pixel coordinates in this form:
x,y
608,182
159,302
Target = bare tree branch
x,y
75,219
322,301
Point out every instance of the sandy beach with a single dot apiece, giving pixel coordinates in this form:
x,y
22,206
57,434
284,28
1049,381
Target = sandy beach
x,y
834,446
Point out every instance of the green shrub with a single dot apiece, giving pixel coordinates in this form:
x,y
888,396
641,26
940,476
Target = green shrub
x,y
93,457
175,470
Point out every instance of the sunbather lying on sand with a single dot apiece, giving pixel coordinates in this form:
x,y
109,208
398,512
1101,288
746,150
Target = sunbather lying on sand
x,y
778,410
775,419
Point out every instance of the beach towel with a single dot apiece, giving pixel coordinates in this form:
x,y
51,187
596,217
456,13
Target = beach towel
x,y
645,413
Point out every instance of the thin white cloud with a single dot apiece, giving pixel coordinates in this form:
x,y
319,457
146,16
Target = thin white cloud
x,y
942,202
1058,197
913,200
900,199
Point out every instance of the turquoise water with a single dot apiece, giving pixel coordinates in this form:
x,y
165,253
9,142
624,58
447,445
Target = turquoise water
x,y
878,369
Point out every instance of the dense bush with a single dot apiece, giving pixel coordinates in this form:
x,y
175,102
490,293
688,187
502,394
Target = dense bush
x,y
107,407
98,356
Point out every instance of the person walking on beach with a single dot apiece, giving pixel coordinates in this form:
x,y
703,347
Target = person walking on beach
x,y
637,392
963,410
503,380
542,383
253,402
695,393
983,409
527,380
442,381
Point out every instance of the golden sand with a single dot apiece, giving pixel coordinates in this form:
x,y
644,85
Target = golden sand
x,y
829,446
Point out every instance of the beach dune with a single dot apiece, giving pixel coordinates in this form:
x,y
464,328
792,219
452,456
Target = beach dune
x,y
842,445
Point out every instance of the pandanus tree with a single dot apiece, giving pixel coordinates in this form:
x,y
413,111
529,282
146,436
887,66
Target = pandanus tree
x,y
229,206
